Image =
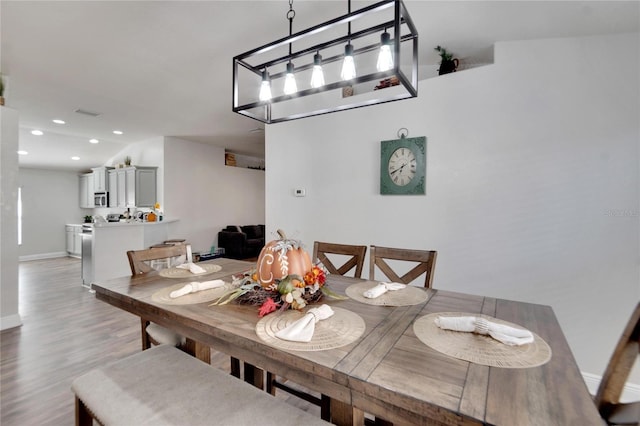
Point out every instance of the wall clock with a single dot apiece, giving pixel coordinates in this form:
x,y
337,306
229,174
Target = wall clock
x,y
403,166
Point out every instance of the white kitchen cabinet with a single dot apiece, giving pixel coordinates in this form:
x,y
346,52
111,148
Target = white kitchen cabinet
x,y
141,186
117,188
86,191
101,179
133,186
74,240
112,178
121,198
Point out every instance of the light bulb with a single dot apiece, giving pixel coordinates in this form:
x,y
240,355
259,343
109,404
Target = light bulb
x,y
385,59
265,87
290,86
317,76
348,66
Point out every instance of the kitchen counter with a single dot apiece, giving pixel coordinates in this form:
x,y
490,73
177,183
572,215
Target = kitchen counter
x,y
132,223
110,242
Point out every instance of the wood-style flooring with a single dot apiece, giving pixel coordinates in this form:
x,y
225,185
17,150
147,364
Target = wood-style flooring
x,y
65,333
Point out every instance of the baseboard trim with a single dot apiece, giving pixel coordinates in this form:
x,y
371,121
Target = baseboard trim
x,y
43,256
630,393
10,321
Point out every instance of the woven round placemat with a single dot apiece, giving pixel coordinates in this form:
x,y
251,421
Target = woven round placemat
x,y
480,349
162,296
342,328
185,273
405,297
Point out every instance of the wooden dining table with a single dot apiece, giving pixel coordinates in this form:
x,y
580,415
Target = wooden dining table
x,y
386,372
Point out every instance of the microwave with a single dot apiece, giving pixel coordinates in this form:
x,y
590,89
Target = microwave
x,y
101,199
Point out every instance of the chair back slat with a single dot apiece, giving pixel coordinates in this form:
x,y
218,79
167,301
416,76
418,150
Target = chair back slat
x,y
426,260
138,259
620,365
355,259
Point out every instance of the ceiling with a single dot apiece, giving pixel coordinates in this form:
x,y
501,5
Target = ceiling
x,y
154,68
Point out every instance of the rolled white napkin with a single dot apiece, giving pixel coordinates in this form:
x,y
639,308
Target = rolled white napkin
x,y
382,288
503,333
195,286
192,267
302,329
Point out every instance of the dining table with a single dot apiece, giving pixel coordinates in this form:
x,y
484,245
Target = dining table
x,y
387,372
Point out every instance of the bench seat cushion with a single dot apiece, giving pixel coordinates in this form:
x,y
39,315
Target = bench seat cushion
x,y
165,386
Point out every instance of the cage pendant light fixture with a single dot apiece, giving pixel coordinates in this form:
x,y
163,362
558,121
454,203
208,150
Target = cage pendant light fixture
x,y
290,86
317,75
378,42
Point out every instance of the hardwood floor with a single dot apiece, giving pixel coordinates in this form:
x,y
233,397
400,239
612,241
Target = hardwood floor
x,y
65,333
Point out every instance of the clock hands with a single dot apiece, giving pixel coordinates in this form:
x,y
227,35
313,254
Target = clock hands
x,y
399,169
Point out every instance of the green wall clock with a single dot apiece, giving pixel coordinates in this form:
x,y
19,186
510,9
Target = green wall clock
x,y
403,166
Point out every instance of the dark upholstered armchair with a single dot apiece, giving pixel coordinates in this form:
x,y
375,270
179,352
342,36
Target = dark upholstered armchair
x,y
241,242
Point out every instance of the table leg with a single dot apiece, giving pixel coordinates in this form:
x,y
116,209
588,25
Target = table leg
x,y
253,375
345,415
203,352
198,350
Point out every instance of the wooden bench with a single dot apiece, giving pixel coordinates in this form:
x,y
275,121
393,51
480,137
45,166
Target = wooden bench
x,y
165,386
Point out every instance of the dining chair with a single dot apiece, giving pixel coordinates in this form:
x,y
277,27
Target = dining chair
x,y
151,259
354,257
621,363
425,259
164,256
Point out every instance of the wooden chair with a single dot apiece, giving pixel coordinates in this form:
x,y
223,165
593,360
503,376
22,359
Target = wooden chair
x,y
624,357
355,260
147,260
426,260
142,262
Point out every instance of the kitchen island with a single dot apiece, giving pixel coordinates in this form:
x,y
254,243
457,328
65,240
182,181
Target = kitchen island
x,y
105,246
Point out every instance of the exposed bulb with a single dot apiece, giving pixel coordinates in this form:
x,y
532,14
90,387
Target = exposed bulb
x,y
265,87
290,86
317,76
348,66
385,59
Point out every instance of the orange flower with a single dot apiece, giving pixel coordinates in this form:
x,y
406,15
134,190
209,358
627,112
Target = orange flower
x,y
299,284
310,278
322,278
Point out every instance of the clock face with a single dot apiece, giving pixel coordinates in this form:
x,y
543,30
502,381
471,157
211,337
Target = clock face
x,y
402,166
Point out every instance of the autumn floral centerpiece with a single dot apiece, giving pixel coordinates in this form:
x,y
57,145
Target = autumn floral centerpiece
x,y
284,278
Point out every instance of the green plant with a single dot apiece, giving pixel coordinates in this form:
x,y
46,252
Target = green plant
x,y
88,219
1,85
127,160
444,55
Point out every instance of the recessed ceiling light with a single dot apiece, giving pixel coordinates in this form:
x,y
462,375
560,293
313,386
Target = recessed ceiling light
x,y
58,121
22,152
117,132
94,140
75,158
37,132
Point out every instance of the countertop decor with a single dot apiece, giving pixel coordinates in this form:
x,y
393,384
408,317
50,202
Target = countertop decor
x,y
284,278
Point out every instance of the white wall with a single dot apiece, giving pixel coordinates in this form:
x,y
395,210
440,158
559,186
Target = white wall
x,y
532,182
205,195
9,294
50,200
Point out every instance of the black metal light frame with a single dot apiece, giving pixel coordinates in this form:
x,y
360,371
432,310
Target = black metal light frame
x,y
409,82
